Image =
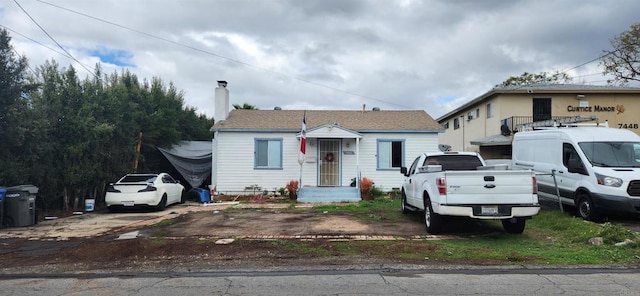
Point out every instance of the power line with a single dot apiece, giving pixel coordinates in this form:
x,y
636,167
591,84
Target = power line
x,y
53,39
585,63
42,44
36,41
20,55
223,57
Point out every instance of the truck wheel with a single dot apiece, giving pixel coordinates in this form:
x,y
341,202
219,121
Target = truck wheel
x,y
432,221
514,225
405,207
586,208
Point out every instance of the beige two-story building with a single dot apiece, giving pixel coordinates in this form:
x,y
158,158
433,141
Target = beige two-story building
x,y
487,123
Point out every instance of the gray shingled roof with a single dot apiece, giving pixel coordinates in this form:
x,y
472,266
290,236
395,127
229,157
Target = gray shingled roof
x,y
291,120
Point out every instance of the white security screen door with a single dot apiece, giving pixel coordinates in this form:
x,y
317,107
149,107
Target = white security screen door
x,y
329,162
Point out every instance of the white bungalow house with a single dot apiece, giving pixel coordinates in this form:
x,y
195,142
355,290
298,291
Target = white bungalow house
x,y
261,148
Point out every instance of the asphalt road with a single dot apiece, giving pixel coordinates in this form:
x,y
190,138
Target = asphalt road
x,y
356,281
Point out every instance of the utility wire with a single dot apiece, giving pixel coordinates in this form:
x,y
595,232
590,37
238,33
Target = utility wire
x,y
20,55
42,44
585,63
223,57
54,40
37,42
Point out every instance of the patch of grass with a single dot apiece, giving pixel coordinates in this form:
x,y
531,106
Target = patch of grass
x,y
576,230
164,222
156,242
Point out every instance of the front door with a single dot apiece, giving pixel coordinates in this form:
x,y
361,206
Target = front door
x,y
329,164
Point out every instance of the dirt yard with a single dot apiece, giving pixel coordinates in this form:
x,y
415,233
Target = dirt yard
x,y
193,236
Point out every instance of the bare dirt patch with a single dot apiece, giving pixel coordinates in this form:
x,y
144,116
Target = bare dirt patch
x,y
278,222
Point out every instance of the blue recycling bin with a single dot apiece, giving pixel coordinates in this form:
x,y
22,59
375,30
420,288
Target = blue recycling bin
x,y
3,191
203,195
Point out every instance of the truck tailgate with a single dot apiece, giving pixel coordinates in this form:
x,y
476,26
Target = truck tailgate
x,y
490,187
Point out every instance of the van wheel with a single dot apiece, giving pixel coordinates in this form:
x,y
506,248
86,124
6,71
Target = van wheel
x,y
432,221
586,208
405,207
514,225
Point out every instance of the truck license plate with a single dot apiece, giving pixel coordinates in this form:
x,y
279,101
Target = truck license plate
x,y
489,210
127,203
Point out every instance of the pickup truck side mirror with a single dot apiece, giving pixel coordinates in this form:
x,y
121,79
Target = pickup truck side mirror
x,y
403,170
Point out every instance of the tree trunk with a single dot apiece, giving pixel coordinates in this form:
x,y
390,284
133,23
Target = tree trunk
x,y
65,199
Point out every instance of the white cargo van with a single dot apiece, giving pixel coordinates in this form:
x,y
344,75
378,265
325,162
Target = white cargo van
x,y
597,169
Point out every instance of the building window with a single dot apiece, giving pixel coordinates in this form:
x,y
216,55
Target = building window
x,y
445,125
268,154
390,154
489,110
456,123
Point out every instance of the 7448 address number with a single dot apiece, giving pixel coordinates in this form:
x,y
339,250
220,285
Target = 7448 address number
x,y
628,125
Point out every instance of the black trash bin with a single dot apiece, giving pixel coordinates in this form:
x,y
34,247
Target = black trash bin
x,y
2,193
20,206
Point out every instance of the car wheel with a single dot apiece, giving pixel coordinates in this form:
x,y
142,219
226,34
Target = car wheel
x,y
514,225
586,208
405,207
163,203
432,221
183,197
112,209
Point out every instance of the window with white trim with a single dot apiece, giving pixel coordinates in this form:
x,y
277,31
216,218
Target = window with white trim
x,y
390,154
268,154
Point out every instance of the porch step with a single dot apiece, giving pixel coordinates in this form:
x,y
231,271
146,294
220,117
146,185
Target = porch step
x,y
328,194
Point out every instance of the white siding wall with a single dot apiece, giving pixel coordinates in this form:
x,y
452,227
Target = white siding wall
x,y
414,144
235,160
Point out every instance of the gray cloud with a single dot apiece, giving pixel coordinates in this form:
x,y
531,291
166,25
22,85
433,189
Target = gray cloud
x,y
432,55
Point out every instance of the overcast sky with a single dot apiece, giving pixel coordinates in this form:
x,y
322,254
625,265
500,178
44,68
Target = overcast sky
x,y
325,54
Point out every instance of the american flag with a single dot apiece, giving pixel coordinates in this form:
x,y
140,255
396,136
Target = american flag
x,y
303,137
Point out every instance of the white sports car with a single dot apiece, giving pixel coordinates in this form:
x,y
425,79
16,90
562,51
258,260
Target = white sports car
x,y
144,190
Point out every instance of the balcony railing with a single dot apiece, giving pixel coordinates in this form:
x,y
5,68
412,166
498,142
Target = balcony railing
x,y
514,122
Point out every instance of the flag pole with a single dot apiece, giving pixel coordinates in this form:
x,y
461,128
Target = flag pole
x,y
303,146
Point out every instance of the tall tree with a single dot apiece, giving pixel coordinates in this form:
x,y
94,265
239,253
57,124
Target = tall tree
x,y
14,112
623,61
541,78
70,136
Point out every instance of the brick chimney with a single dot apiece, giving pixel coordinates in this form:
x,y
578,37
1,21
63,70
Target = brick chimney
x,y
221,101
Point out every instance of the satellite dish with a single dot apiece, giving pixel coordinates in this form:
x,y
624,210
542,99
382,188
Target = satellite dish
x,y
444,147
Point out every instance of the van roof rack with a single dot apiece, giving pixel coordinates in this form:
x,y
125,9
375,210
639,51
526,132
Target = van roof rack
x,y
571,121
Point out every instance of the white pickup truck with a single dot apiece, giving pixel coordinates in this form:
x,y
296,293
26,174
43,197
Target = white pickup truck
x,y
460,184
